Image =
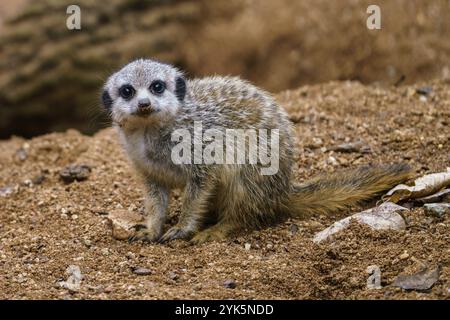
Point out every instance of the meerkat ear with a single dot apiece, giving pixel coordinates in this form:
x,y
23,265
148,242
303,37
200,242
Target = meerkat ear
x,y
107,100
180,88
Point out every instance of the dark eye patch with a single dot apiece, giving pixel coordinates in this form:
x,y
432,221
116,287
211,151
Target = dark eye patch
x,y
180,88
107,100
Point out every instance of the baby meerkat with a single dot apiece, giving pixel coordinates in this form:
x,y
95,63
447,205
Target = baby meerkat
x,y
149,100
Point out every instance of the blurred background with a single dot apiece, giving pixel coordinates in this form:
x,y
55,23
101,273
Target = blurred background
x,y
51,77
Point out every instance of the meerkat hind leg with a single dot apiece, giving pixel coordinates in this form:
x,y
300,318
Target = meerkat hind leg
x,y
217,232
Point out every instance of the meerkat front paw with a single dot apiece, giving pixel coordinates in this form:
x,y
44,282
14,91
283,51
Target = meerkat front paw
x,y
173,233
144,234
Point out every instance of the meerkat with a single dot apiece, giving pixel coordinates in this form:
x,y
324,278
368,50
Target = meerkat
x,y
148,100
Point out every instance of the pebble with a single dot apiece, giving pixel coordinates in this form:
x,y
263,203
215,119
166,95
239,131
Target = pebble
x,y
173,275
247,246
424,90
73,282
358,146
422,280
38,179
21,154
6,191
230,284
142,271
404,256
293,229
122,223
87,242
75,172
332,160
437,209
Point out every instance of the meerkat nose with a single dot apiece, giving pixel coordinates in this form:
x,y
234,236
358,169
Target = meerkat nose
x,y
144,103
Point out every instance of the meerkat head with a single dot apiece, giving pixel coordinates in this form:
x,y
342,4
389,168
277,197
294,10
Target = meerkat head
x,y
144,91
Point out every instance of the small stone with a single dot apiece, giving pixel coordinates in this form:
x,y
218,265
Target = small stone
x,y
332,160
105,251
197,287
422,280
173,275
38,179
75,172
73,282
358,146
315,144
424,90
87,242
230,284
6,191
123,223
21,154
247,246
142,271
404,256
293,229
437,209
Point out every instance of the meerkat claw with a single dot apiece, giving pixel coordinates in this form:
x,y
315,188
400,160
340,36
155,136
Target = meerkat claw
x,y
172,234
142,234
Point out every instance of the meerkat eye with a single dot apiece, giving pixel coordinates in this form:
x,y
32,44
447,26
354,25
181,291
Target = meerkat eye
x,y
157,87
126,91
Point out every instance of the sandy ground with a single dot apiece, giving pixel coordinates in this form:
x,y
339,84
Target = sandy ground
x,y
47,225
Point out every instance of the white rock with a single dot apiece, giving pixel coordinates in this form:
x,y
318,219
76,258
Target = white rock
x,y
73,282
382,217
122,223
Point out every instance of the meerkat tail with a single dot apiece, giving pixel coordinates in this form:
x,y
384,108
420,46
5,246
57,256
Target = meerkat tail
x,y
331,193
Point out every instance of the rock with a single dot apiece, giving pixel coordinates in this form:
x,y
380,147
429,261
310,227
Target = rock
x,y
123,223
230,284
75,172
422,280
21,154
38,179
404,256
383,217
247,246
332,161
73,282
358,146
315,143
424,90
293,229
142,271
173,275
437,209
6,191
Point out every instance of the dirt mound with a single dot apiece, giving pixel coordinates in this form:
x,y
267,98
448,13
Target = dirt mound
x,y
278,44
47,225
